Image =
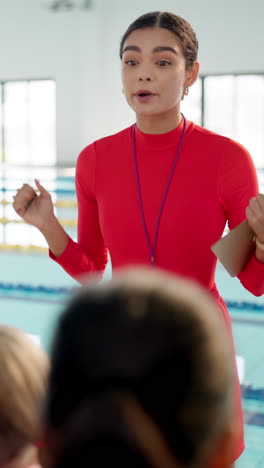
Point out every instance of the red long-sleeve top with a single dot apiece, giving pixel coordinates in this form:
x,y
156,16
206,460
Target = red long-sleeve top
x,y
212,183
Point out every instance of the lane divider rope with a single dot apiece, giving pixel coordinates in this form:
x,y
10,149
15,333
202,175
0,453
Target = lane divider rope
x,y
24,249
58,203
28,288
57,191
238,305
64,222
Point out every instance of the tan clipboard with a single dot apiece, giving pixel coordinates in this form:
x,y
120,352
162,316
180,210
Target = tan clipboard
x,y
234,249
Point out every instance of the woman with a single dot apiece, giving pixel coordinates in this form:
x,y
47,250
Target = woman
x,y
141,376
160,192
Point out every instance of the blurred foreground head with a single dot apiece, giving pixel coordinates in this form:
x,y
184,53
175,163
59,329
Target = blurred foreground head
x,y
141,377
23,379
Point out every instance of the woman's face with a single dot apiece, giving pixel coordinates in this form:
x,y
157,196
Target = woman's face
x,y
154,72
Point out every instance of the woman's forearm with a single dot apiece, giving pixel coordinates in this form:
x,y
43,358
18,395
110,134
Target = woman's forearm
x,y
56,237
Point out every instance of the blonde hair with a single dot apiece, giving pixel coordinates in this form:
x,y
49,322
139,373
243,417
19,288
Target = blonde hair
x,y
23,378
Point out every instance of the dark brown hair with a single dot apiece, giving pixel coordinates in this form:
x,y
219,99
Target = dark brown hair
x,y
145,344
180,27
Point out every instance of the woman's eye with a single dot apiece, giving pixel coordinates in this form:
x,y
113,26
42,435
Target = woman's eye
x,y
163,63
130,63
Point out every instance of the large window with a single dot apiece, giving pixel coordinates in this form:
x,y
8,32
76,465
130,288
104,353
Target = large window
x,y
192,104
28,122
232,105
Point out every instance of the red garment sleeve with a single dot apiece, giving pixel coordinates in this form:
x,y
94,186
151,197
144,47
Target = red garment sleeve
x,y
237,183
88,254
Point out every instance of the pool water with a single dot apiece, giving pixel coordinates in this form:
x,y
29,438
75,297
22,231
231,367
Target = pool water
x,y
35,303
34,290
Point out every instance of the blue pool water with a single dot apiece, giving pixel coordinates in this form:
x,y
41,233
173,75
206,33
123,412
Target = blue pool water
x,y
33,292
34,303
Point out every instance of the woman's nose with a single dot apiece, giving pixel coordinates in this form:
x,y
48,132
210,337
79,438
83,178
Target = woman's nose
x,y
144,76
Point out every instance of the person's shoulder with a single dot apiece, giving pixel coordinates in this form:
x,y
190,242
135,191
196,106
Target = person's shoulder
x,y
205,133
215,139
113,140
231,156
106,145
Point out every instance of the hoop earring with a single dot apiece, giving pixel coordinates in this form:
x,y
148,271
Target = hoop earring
x,y
185,92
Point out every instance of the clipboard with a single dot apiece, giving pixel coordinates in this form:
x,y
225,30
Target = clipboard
x,y
235,248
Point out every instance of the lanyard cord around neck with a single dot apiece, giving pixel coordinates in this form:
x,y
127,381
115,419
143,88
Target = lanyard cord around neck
x,y
152,248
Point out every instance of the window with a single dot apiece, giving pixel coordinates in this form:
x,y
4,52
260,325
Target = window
x,y
28,122
232,105
192,104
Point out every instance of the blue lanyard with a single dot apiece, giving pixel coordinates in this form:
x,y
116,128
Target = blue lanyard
x,y
152,247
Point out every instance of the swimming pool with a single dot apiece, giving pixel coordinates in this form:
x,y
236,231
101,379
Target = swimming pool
x,y
33,291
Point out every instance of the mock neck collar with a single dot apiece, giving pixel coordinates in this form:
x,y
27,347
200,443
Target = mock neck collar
x,y
161,140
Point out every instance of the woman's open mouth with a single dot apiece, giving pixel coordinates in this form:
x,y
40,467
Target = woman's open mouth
x,y
144,96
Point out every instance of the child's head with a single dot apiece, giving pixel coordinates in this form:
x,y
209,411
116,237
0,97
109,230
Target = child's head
x,y
23,377
140,371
